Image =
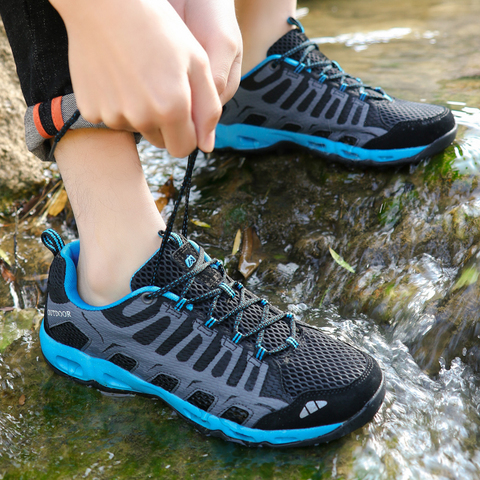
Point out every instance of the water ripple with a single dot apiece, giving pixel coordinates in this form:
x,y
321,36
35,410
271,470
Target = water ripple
x,y
360,41
427,428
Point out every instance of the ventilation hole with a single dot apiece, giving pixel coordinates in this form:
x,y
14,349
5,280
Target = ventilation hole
x,y
176,337
349,140
317,110
147,335
201,400
186,352
276,92
219,369
166,382
321,133
235,414
332,109
297,93
252,379
238,370
255,120
209,354
358,114
123,361
169,270
343,117
68,334
291,127
251,84
304,104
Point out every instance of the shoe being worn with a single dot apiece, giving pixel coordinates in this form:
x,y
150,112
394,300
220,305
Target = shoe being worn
x,y
298,96
226,360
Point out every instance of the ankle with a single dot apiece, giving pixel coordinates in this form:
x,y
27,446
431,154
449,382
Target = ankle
x,y
256,46
253,17
104,275
100,283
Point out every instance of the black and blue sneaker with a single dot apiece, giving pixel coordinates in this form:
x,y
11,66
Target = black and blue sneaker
x,y
223,358
297,96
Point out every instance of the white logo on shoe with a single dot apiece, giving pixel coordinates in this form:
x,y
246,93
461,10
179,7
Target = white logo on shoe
x,y
312,407
59,313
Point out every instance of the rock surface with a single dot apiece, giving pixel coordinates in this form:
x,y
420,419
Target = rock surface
x,y
19,169
411,235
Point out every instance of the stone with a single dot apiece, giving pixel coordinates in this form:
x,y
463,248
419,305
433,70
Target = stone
x,y
20,171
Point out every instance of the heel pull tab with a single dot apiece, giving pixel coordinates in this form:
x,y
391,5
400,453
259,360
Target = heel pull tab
x,y
53,241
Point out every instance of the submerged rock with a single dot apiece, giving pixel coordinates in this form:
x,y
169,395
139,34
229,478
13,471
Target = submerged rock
x,y
408,232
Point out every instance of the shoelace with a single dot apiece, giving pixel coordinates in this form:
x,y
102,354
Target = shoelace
x,y
325,67
61,133
230,289
224,288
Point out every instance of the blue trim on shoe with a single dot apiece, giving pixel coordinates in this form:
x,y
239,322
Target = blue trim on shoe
x,y
249,137
70,253
197,248
294,63
86,368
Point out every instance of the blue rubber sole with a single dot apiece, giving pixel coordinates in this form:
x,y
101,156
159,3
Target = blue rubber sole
x,y
105,375
251,138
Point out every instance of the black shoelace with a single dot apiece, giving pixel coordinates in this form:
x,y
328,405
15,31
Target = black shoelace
x,y
329,70
61,133
225,287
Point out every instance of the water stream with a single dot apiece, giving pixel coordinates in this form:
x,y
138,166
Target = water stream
x,y
411,234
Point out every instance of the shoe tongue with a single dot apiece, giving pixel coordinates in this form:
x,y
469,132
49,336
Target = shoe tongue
x,y
179,257
293,39
296,37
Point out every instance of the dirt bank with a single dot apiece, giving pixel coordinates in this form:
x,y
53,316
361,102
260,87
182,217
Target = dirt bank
x,y
20,171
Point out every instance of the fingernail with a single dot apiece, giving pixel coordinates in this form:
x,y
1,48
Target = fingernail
x,y
209,143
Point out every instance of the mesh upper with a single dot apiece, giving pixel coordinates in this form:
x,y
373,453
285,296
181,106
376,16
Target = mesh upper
x,y
321,363
392,113
294,38
170,269
290,40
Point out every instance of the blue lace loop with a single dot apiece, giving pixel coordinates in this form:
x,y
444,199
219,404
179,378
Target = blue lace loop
x,y
325,67
225,287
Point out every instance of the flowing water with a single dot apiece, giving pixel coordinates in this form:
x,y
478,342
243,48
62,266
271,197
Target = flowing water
x,y
411,234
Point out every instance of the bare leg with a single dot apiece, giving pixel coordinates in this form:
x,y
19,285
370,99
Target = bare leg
x,y
116,216
115,212
262,22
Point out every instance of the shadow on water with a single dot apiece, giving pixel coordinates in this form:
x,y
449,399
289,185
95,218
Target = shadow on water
x,y
411,234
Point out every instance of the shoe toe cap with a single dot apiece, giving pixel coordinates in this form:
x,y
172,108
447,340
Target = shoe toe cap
x,y
412,125
336,385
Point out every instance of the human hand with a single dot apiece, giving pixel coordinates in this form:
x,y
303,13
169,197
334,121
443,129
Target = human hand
x,y
136,66
214,25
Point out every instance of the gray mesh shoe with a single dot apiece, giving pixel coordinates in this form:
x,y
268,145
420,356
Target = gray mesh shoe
x,y
297,96
226,360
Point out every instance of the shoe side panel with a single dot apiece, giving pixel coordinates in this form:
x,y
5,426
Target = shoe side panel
x,y
85,367
325,112
107,341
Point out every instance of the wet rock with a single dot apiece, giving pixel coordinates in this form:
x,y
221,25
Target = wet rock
x,y
455,331
15,323
408,233
20,171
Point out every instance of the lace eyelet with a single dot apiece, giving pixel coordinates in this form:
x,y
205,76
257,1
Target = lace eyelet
x,y
147,298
